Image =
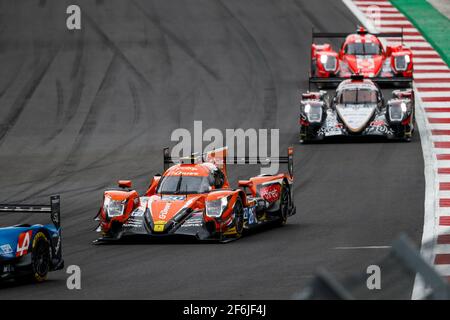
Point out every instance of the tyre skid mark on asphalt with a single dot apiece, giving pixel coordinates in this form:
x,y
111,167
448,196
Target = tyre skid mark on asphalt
x,y
178,42
156,21
117,51
431,86
250,75
66,168
59,99
67,115
12,78
77,76
77,81
136,102
270,103
26,93
78,55
96,164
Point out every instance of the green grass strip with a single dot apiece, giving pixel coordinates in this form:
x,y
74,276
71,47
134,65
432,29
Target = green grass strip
x,y
434,26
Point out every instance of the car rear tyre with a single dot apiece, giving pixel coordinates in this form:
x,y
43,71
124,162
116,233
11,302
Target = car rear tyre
x,y
238,217
285,204
40,258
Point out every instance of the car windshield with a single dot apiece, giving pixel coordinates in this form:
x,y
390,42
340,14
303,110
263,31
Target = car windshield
x,y
358,96
363,49
183,184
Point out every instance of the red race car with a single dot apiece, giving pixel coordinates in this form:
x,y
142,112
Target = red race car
x,y
194,198
361,53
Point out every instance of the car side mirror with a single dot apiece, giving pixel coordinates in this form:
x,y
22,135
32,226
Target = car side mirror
x,y
124,184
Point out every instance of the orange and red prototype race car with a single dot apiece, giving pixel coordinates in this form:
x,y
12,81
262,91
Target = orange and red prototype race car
x,y
194,198
361,53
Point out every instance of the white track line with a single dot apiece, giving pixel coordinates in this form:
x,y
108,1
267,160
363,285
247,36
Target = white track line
x,y
362,247
435,94
431,67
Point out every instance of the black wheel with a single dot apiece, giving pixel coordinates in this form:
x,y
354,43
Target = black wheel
x,y
238,218
301,135
40,258
404,134
304,135
313,68
285,202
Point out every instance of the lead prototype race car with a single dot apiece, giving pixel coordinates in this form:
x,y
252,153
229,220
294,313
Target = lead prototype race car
x,y
357,109
30,252
194,198
361,53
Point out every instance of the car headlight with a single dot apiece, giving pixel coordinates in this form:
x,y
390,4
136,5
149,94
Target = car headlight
x,y
403,107
307,108
215,208
398,111
114,208
328,62
402,62
313,111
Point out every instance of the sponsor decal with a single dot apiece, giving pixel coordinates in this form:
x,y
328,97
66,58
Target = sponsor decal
x,y
24,243
194,169
159,226
138,213
163,213
379,126
380,130
8,268
332,127
133,223
6,249
197,214
377,123
195,221
365,64
173,197
250,215
184,173
270,193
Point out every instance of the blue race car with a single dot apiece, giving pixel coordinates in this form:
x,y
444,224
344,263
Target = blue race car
x,y
31,251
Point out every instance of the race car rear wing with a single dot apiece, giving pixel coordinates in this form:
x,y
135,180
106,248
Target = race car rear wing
x,y
344,35
288,159
334,81
53,209
359,31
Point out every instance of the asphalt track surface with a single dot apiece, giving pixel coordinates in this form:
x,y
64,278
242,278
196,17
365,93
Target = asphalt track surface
x,y
80,110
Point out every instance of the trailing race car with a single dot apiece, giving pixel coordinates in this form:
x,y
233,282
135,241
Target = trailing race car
x,y
31,251
357,109
361,53
194,198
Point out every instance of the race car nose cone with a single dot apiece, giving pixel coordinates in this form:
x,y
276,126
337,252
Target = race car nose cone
x,y
355,117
